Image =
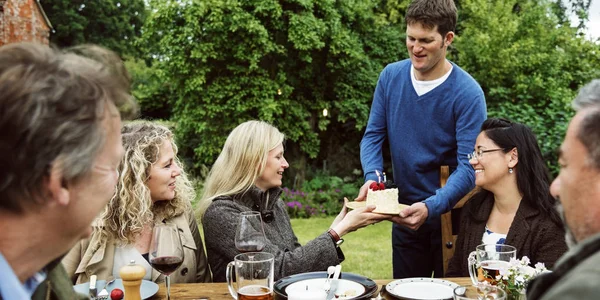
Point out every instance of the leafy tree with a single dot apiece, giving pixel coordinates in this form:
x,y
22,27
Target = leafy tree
x,y
278,61
152,93
217,63
110,23
529,64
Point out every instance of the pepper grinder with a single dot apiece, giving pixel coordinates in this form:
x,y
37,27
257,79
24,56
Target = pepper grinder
x,y
132,275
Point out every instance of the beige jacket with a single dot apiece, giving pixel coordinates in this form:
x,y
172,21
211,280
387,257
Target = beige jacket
x,y
94,256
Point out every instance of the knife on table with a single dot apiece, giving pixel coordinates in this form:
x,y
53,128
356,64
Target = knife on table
x,y
93,291
334,282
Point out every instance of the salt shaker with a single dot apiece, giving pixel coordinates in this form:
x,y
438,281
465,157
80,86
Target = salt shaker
x,y
132,275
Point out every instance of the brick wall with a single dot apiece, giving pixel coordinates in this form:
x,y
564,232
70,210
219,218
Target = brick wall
x,y
22,20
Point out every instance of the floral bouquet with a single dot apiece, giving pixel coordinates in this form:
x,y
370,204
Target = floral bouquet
x,y
516,276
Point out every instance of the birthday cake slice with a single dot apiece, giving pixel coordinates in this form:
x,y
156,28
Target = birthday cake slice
x,y
385,197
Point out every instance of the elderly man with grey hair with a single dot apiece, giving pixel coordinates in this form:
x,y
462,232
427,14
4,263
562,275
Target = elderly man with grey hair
x,y
60,145
577,273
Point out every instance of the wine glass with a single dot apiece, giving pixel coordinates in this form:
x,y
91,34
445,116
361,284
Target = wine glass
x,y
250,235
166,252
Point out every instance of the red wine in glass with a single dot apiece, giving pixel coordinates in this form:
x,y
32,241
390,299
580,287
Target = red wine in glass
x,y
166,251
166,264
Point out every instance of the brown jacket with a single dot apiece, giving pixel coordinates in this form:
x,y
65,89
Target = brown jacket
x,y
94,256
534,235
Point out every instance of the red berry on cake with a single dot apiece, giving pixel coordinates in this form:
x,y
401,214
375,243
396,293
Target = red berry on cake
x,y
381,186
374,186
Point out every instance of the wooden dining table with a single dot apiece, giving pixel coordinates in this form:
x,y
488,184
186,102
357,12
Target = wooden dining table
x,y
218,291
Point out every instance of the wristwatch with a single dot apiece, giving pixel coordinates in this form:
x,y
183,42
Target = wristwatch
x,y
337,240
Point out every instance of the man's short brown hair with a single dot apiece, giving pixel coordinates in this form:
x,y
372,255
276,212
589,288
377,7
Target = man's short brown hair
x,y
431,13
52,104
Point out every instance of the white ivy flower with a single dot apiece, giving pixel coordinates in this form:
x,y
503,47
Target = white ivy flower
x,y
513,262
517,274
540,267
520,279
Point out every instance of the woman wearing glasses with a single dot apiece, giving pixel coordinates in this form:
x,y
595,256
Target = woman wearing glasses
x,y
247,177
514,206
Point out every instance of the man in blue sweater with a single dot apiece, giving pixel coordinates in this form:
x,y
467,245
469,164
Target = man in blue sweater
x,y
430,110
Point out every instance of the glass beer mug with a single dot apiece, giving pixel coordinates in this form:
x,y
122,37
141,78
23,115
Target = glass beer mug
x,y
254,272
487,260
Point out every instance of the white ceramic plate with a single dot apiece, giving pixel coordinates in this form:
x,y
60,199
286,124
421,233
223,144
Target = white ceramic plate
x,y
367,286
148,288
313,289
421,288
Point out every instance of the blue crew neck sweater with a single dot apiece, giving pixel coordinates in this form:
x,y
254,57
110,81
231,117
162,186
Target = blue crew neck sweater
x,y
424,132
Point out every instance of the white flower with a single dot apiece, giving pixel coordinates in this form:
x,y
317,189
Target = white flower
x,y
519,279
513,262
517,274
540,267
526,271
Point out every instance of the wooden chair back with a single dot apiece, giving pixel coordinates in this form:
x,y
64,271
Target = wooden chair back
x,y
451,220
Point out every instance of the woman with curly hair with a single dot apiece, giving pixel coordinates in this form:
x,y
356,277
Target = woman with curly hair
x,y
152,189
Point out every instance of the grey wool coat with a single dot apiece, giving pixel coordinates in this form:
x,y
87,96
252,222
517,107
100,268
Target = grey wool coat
x,y
220,220
533,233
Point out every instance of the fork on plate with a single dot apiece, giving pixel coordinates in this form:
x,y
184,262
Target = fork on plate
x,y
327,285
103,295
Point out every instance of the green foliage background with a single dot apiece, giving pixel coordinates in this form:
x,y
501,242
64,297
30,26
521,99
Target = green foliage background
x,y
285,61
208,65
529,62
278,61
115,24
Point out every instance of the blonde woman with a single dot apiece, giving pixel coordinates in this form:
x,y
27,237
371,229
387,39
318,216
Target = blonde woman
x,y
152,188
247,176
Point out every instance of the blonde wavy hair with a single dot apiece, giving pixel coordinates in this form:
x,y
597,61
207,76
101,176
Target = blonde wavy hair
x,y
131,207
241,161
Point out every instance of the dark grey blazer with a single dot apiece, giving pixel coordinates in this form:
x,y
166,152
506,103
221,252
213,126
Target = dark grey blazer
x,y
219,223
534,235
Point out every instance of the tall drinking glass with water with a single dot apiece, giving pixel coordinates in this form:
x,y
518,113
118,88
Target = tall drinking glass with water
x,y
487,260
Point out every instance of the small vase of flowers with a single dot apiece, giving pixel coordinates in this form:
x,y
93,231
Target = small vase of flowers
x,y
515,277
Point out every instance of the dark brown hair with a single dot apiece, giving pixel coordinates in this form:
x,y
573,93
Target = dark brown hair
x,y
431,13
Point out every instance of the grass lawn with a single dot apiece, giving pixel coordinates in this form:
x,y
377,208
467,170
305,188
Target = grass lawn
x,y
368,250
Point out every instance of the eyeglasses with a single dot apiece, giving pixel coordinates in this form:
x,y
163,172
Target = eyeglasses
x,y
477,154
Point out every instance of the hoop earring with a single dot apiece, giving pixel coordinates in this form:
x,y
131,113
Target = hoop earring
x,y
510,170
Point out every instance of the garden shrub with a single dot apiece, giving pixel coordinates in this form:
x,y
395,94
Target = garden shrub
x,y
320,196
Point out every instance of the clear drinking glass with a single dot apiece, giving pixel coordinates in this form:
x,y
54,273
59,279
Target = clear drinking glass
x,y
250,234
253,273
487,260
166,252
